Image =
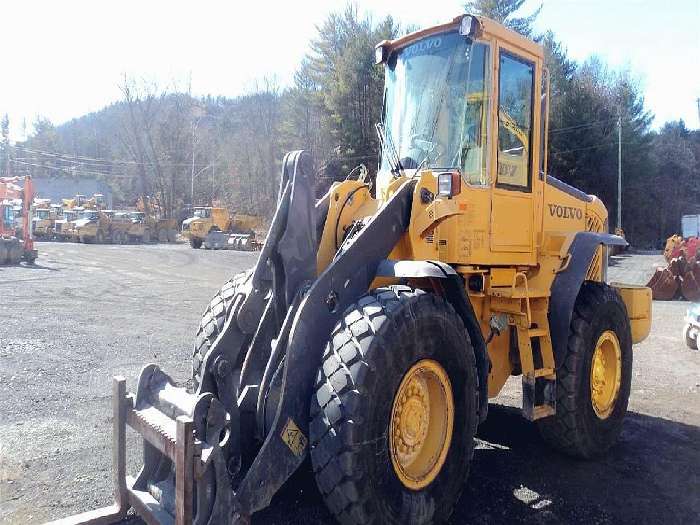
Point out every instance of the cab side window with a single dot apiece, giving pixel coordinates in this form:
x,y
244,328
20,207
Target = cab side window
x,y
515,91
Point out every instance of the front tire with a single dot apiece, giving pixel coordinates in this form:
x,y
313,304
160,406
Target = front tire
x,y
373,351
213,320
594,376
195,243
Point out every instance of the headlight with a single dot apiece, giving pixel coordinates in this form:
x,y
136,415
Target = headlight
x,y
449,184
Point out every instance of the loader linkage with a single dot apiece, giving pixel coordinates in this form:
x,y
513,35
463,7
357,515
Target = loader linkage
x,y
218,455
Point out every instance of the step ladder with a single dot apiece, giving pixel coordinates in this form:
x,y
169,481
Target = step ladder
x,y
536,361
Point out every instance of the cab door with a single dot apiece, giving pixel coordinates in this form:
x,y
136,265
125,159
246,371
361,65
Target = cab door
x,y
512,207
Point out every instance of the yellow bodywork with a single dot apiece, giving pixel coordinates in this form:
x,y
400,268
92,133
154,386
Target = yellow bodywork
x,y
221,219
508,245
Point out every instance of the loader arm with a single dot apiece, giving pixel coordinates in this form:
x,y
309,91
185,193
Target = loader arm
x,y
346,278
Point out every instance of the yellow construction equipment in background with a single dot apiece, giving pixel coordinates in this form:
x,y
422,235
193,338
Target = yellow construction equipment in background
x,y
210,226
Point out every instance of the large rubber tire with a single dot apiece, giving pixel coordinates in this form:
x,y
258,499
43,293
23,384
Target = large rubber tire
x,y
4,250
576,429
690,340
162,236
213,320
195,243
371,349
16,252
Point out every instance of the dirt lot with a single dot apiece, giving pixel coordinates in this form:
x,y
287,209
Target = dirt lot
x,y
87,312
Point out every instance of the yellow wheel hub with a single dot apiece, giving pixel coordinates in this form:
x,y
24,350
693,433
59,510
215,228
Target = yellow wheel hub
x,y
606,373
420,430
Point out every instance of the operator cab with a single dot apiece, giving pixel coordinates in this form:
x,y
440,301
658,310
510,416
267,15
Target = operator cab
x,y
465,101
89,214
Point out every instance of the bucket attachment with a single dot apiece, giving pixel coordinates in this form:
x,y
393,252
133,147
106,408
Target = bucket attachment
x,y
690,282
663,284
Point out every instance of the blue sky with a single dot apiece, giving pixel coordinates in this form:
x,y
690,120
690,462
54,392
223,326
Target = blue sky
x,y
65,58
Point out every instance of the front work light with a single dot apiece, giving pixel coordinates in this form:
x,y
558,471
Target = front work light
x,y
449,184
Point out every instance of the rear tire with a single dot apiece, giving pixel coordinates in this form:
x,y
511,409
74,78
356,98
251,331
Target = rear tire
x,y
195,243
372,349
691,340
577,429
213,320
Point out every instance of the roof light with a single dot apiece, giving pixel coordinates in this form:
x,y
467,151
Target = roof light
x,y
468,26
381,53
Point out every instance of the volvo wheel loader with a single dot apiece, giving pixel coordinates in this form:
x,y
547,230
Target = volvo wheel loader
x,y
378,322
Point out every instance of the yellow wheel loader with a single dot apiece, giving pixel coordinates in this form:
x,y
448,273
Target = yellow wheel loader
x,y
378,322
216,228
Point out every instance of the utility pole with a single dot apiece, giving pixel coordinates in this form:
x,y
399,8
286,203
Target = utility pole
x,y
213,175
194,129
619,171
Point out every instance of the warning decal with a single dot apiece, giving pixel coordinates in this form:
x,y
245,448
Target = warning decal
x,y
294,438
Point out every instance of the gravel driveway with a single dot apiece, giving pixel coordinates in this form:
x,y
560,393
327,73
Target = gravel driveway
x,y
87,312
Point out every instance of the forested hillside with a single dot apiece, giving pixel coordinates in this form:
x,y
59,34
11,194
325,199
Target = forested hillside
x,y
158,140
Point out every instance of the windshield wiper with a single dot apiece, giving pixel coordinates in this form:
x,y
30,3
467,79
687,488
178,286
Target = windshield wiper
x,y
388,148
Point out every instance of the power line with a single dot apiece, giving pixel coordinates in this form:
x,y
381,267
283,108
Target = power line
x,y
586,148
78,158
68,170
582,126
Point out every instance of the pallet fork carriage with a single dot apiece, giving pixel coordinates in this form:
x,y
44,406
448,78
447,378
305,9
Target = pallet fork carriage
x,y
378,322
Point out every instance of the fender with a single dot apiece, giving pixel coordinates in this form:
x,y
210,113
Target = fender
x,y
567,284
454,290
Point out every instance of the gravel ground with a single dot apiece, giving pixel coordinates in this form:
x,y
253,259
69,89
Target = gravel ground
x,y
87,312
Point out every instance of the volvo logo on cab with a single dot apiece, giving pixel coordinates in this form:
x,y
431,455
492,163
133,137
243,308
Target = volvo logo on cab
x,y
565,212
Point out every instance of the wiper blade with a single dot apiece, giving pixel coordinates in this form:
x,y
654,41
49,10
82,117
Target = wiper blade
x,y
387,146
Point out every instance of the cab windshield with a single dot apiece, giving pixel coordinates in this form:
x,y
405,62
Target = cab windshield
x,y
436,105
202,213
92,215
42,214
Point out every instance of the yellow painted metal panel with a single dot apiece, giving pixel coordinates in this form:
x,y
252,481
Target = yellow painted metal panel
x,y
511,222
637,299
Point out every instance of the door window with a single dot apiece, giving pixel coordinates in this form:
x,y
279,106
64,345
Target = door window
x,y
515,90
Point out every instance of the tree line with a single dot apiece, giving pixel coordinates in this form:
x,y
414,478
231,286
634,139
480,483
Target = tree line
x,y
165,142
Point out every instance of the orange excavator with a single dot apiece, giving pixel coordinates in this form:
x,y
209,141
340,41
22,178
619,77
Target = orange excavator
x,y
16,245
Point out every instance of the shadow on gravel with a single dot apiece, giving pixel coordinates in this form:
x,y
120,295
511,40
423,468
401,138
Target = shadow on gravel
x,y
650,476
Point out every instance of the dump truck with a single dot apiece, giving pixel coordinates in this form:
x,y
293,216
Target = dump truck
x,y
380,319
93,226
42,223
63,227
16,240
208,223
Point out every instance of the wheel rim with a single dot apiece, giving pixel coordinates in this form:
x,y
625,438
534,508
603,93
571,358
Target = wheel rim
x,y
606,372
420,430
